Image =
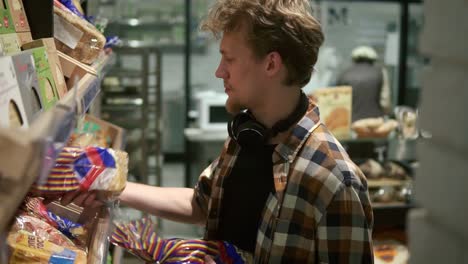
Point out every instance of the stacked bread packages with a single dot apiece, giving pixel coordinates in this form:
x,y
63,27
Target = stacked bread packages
x,y
39,236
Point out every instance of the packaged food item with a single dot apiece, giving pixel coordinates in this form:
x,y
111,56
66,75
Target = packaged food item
x,y
374,127
75,36
78,233
32,240
90,168
54,62
12,109
390,252
335,109
49,95
74,6
27,247
139,238
92,131
41,229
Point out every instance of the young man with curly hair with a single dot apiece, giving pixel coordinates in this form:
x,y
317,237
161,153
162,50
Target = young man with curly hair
x,y
283,189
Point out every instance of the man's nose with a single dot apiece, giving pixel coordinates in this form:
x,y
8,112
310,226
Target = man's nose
x,y
221,72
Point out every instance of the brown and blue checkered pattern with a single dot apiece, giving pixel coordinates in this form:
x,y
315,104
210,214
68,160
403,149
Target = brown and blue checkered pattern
x,y
321,211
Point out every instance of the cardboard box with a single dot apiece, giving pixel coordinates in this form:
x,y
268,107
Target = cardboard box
x,y
73,69
28,84
12,112
335,105
9,44
49,93
113,133
54,62
18,15
92,131
6,23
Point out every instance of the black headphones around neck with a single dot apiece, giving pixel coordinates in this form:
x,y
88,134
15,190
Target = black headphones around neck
x,y
248,132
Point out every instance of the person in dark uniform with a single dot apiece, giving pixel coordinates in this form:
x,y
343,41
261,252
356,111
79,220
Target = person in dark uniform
x,y
371,92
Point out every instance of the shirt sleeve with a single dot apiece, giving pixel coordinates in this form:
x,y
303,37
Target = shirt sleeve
x,y
344,233
202,191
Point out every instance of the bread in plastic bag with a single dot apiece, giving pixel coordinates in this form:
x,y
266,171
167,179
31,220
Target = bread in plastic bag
x,y
77,232
91,168
32,240
139,238
75,36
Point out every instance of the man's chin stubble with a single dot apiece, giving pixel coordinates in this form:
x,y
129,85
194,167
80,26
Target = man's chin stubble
x,y
233,107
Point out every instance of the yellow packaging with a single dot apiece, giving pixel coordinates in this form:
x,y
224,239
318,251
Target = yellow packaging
x,y
335,105
28,248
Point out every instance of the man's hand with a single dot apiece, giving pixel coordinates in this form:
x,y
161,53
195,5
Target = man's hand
x,y
83,199
209,260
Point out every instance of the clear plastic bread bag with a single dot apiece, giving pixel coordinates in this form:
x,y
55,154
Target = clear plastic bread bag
x,y
140,238
103,170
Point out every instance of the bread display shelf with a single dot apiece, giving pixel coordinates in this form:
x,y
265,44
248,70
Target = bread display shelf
x,y
26,154
392,205
377,141
386,182
82,94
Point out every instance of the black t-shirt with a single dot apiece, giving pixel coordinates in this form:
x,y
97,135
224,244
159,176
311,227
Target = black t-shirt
x,y
246,190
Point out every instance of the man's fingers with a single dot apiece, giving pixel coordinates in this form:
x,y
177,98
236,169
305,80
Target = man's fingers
x,y
209,260
81,198
90,200
69,197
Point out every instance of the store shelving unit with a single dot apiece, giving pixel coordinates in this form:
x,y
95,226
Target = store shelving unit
x,y
29,154
170,42
138,107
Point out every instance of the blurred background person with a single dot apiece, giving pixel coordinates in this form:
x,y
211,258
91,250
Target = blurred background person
x,y
371,89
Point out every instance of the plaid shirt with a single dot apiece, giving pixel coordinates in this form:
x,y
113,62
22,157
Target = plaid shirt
x,y
320,213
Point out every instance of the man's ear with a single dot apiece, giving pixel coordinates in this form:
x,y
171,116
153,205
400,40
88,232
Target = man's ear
x,y
274,63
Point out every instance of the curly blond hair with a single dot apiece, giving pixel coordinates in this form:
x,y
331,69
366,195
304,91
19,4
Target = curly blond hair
x,y
284,26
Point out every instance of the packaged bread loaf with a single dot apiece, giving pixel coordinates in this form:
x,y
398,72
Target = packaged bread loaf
x,y
76,232
139,238
32,240
75,36
90,168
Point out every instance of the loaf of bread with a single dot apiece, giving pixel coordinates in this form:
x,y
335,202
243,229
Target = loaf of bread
x,y
75,36
374,127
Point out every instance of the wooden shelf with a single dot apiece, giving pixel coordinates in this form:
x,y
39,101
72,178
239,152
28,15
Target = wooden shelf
x,y
29,154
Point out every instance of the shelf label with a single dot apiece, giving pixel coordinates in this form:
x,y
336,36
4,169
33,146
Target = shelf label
x,y
66,32
90,94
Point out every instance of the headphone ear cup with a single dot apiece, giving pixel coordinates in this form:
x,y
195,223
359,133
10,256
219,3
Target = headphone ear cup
x,y
251,134
247,131
233,125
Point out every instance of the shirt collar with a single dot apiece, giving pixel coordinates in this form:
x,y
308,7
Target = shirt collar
x,y
289,148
